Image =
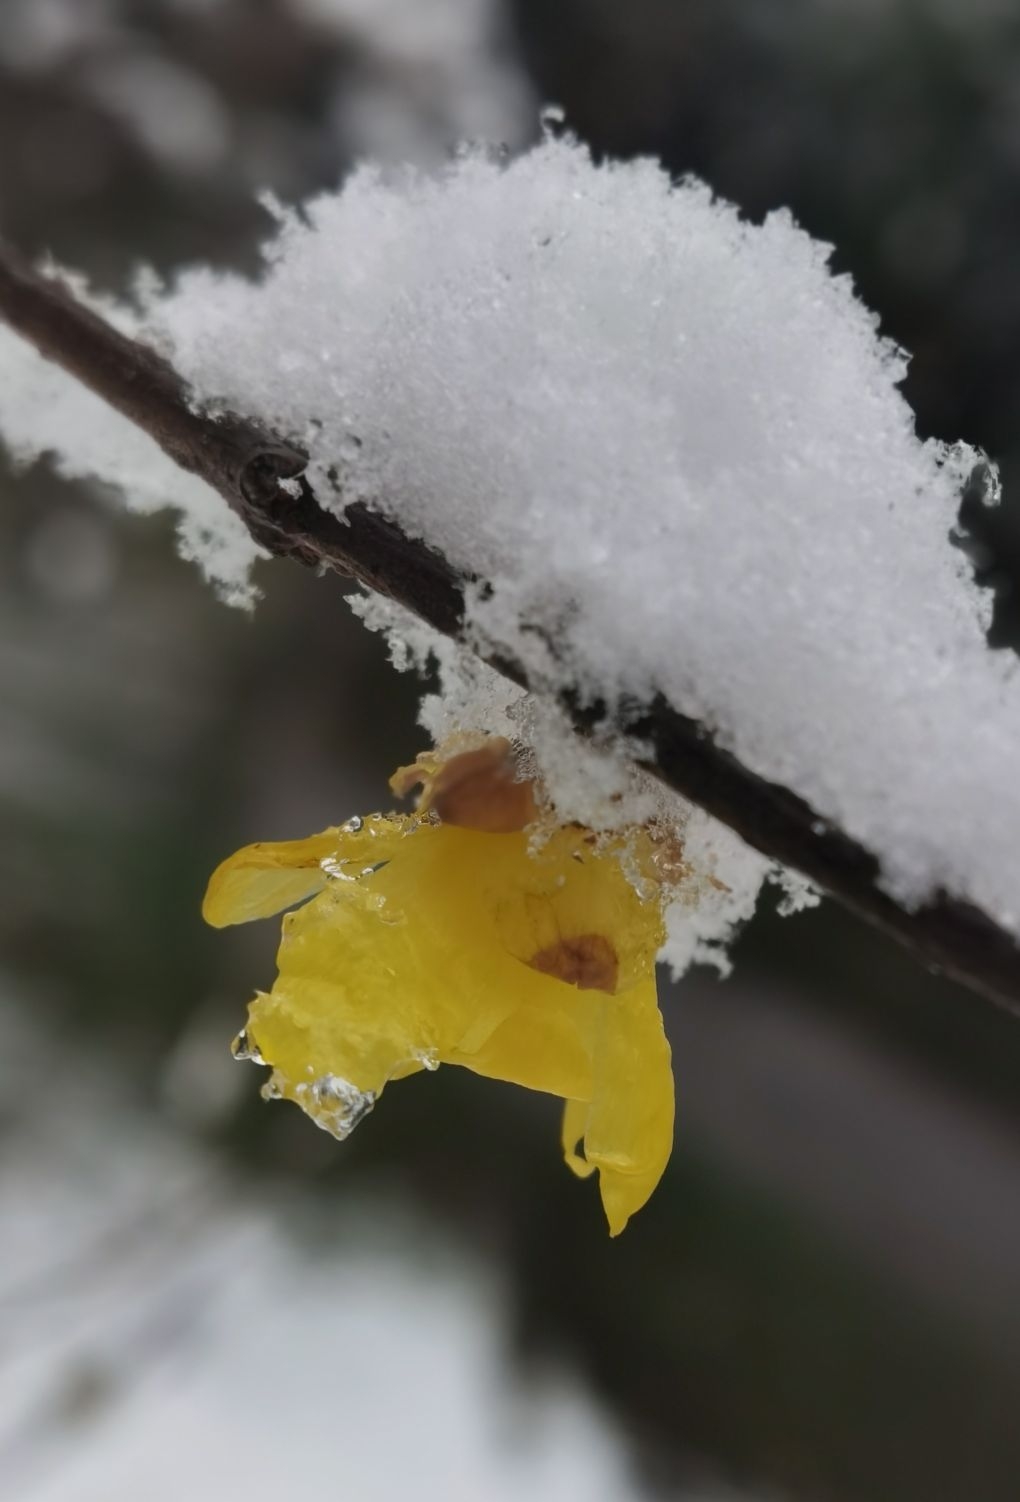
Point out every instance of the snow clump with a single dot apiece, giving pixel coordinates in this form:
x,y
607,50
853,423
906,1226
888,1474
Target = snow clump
x,y
673,443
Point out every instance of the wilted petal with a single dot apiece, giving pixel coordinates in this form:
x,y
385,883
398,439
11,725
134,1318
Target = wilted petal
x,y
478,787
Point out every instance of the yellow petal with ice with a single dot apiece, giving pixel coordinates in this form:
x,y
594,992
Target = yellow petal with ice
x,y
427,943
406,962
263,879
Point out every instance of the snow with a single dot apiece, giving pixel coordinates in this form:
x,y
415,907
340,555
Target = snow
x,y
38,35
411,77
424,73
170,110
172,1331
591,783
674,445
44,412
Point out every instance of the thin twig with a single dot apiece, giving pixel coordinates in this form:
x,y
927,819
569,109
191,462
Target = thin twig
x,y
245,463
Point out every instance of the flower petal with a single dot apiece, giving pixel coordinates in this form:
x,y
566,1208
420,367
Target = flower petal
x,y
399,965
566,897
575,1119
477,786
263,879
440,953
628,1128
544,1044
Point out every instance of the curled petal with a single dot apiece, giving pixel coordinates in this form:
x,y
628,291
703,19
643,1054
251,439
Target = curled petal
x,y
575,1119
477,788
628,1127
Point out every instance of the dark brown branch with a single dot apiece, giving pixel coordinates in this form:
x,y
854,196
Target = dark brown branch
x,y
234,455
245,464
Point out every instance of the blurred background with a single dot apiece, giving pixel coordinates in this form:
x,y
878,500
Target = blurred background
x,y
199,1293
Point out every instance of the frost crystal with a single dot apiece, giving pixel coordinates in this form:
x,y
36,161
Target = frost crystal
x,y
674,444
337,1106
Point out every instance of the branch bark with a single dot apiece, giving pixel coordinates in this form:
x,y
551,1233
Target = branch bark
x,y
245,463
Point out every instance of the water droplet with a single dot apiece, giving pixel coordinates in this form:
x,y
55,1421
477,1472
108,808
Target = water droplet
x,y
353,825
552,119
429,1059
337,1106
271,1090
381,909
244,1048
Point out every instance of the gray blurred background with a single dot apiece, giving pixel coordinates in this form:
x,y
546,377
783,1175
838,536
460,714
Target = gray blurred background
x,y
199,1292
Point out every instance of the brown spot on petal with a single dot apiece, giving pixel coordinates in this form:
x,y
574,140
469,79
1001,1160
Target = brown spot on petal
x,y
588,962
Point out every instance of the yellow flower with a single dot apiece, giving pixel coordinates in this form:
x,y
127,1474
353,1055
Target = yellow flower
x,y
454,936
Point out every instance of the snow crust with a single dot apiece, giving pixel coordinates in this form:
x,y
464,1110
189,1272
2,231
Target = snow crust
x,y
673,443
595,783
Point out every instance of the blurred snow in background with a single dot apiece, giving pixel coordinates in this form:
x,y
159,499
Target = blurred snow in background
x,y
168,1334
430,71
412,76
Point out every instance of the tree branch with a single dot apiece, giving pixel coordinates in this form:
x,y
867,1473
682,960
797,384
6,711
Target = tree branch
x,y
245,463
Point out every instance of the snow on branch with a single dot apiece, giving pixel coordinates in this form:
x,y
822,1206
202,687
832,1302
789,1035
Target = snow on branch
x,y
648,460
